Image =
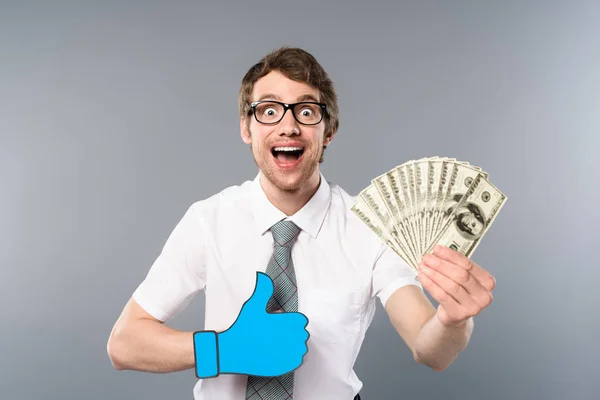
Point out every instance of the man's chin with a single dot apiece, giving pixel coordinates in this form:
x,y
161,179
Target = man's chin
x,y
288,181
285,182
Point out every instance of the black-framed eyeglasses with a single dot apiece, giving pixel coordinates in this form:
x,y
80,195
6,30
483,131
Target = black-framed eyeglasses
x,y
271,112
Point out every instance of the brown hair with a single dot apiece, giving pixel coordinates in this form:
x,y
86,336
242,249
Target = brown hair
x,y
300,66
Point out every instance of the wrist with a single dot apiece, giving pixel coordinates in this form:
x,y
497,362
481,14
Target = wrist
x,y
206,354
452,324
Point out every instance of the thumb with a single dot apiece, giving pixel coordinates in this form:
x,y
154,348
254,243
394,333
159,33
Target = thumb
x,y
263,291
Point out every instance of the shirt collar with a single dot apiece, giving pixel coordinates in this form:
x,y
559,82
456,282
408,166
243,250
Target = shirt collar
x,y
309,218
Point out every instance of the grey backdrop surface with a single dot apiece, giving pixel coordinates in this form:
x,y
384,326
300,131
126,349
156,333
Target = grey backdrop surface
x,y
116,116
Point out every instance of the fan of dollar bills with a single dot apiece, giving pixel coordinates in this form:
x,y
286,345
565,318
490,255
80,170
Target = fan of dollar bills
x,y
430,201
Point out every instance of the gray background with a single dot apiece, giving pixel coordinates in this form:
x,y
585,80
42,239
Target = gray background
x,y
116,116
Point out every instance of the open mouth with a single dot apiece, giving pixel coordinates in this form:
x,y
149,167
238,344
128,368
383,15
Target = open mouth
x,y
287,154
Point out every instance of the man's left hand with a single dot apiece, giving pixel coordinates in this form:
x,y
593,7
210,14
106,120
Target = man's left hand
x,y
462,288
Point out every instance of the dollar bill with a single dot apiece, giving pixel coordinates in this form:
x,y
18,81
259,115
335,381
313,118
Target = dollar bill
x,y
410,181
420,169
408,202
364,212
434,168
459,181
427,201
403,204
386,191
448,189
371,197
446,166
470,217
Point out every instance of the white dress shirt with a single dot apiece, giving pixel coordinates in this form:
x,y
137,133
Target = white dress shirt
x,y
341,268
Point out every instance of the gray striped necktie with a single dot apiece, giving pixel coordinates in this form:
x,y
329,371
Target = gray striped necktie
x,y
285,297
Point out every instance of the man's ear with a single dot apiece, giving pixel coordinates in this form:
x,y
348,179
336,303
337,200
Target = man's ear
x,y
245,132
328,138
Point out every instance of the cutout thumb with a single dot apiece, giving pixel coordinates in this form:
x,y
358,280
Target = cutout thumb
x,y
262,293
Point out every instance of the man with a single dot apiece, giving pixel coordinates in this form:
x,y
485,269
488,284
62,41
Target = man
x,y
335,269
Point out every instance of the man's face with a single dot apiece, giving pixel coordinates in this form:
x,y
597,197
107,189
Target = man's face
x,y
285,170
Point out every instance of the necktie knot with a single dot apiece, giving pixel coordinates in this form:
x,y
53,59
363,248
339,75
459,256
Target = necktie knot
x,y
285,233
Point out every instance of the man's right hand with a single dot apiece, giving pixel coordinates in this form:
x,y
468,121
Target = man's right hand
x,y
259,343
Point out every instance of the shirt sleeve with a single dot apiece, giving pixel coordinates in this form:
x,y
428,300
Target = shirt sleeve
x,y
390,273
179,272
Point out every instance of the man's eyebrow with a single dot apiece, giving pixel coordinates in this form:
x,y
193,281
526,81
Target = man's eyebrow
x,y
307,97
269,96
304,97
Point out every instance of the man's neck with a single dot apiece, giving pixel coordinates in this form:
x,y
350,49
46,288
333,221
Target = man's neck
x,y
290,202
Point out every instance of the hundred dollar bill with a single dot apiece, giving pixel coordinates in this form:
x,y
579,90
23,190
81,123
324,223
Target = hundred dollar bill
x,y
371,197
420,168
410,177
451,178
408,203
470,217
434,167
459,181
385,189
403,206
445,168
364,212
404,209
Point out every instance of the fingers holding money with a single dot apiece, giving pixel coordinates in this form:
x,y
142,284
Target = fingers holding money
x,y
450,312
445,289
455,284
455,295
482,276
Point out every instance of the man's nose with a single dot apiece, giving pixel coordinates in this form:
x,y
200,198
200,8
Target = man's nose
x,y
288,125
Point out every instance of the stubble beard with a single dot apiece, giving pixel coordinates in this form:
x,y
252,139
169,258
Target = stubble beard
x,y
287,181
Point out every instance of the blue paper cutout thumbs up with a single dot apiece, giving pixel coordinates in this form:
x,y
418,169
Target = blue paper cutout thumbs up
x,y
258,343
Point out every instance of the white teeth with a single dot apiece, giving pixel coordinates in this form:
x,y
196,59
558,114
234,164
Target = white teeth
x,y
287,148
